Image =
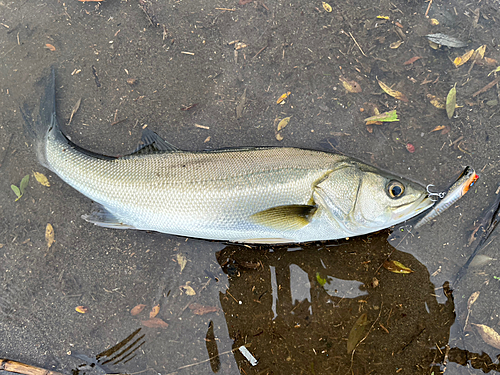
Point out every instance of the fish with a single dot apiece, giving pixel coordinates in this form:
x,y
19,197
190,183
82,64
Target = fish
x,y
460,187
255,195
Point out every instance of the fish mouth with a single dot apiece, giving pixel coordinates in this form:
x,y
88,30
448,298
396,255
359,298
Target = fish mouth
x,y
408,211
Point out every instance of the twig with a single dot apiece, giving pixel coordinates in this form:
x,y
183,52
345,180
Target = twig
x,y
428,8
258,53
487,87
357,44
22,368
204,361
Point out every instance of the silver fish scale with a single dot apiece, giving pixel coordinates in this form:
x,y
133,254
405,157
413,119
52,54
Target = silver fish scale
x,y
206,195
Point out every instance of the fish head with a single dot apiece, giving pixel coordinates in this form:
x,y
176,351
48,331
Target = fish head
x,y
363,199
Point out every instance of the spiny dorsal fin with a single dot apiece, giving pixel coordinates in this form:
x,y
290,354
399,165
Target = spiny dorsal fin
x,y
152,143
290,217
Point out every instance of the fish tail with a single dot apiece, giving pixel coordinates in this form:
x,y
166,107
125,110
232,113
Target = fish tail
x,y
43,125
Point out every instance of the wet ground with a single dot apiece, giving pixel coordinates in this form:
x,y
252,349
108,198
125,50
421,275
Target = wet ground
x,y
181,68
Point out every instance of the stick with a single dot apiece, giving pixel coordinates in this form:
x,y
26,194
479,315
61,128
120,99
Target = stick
x,y
357,44
22,368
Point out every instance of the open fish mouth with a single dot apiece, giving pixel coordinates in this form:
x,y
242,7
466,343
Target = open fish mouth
x,y
415,208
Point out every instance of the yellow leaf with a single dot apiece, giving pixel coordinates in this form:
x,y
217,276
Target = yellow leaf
x,y
283,97
49,235
327,7
357,332
188,289
396,267
451,102
181,259
479,54
396,44
391,92
464,58
283,123
154,311
434,22
383,17
81,309
433,45
436,102
41,179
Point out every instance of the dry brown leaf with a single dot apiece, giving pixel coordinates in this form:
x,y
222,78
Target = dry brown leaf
x,y
350,86
396,267
40,177
154,311
479,53
412,60
357,332
283,123
198,309
490,62
154,323
396,44
81,309
438,128
49,235
473,298
391,92
136,310
489,335
436,102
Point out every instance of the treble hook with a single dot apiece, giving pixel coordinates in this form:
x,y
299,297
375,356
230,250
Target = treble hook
x,y
434,196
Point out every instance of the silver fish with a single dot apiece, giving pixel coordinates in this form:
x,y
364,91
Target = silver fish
x,y
253,195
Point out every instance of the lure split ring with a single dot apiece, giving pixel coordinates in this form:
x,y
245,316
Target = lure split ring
x,y
433,195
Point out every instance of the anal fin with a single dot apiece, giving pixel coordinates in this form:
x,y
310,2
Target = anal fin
x,y
290,217
103,218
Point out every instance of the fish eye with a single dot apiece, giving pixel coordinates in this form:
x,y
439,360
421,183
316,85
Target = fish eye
x,y
395,189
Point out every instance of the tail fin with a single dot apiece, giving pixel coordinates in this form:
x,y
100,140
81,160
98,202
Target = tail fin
x,y
38,126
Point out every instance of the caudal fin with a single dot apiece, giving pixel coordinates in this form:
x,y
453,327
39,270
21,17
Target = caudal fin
x,y
39,125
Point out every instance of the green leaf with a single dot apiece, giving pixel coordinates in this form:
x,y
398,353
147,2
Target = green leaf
x,y
451,101
24,183
16,191
384,117
320,280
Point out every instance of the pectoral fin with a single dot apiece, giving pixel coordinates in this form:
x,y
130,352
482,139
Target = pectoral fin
x,y
103,218
291,217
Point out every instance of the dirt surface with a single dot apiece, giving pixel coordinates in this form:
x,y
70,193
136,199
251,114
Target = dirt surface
x,y
181,68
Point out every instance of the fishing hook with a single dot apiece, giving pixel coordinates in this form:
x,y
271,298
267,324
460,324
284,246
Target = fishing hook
x,y
434,196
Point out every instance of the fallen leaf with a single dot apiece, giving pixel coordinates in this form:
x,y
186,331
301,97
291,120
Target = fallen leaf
x,y
154,311
411,149
279,137
473,298
24,183
50,47
412,60
357,332
49,235
40,177
198,309
74,110
490,62
154,323
434,22
396,267
241,104
181,259
391,92
16,191
81,309
389,116
321,281
445,40
396,44
283,123
438,128
433,45
350,86
460,60
494,71
436,102
187,289
451,101
136,310
383,17
489,335
479,53
327,7
283,97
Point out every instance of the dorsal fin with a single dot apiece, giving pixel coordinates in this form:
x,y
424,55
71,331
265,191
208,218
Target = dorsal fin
x,y
152,143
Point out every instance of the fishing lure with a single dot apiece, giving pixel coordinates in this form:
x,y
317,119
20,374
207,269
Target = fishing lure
x,y
461,186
